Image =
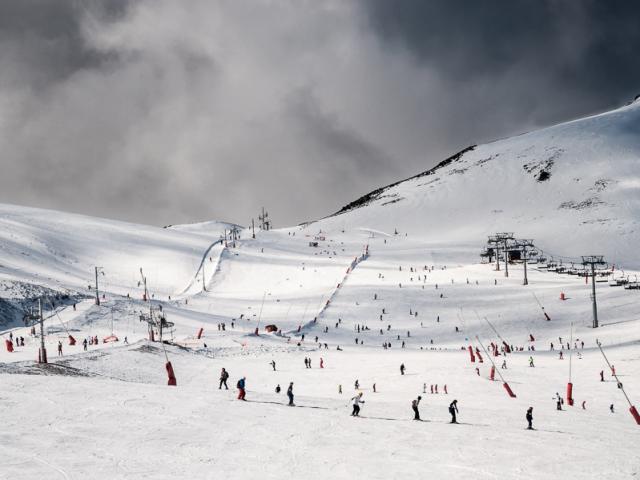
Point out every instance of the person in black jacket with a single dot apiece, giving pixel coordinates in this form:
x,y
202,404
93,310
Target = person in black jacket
x,y
529,418
414,406
290,394
453,409
224,376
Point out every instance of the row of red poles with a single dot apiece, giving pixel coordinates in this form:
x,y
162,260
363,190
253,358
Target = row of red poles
x,y
473,354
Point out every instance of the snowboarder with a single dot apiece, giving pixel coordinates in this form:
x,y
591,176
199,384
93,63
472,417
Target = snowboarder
x,y
357,400
402,369
453,409
224,375
414,407
529,418
241,388
290,394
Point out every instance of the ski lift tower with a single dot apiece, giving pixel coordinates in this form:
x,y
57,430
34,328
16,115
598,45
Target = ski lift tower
x,y
505,238
493,240
522,245
593,260
156,321
235,234
97,271
265,223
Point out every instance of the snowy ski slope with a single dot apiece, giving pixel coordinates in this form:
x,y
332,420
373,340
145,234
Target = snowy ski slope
x,y
107,413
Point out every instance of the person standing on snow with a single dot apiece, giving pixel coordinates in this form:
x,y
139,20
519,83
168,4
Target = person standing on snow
x,y
241,388
290,394
357,400
453,410
414,407
529,418
402,369
224,375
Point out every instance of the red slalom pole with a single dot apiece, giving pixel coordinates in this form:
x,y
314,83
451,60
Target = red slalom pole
x,y
635,414
172,376
508,389
570,393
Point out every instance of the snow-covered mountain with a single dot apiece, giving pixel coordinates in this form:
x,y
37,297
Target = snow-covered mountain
x,y
573,188
358,300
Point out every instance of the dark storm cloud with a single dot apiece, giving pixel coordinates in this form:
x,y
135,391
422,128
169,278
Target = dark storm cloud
x,y
163,112
43,39
582,49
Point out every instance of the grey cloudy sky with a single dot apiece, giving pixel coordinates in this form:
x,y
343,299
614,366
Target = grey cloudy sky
x,y
164,111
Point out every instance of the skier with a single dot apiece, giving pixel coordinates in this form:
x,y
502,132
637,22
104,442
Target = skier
x,y
602,375
84,344
402,369
414,406
59,348
290,394
241,388
529,418
278,388
356,385
357,400
531,362
321,363
273,365
224,375
453,409
504,365
611,408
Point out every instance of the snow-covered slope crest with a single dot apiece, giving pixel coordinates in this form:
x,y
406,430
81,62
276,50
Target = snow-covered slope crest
x,y
574,188
57,249
210,229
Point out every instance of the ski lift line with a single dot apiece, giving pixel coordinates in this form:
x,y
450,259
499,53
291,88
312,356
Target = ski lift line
x,y
56,313
261,306
615,376
492,327
491,360
561,257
